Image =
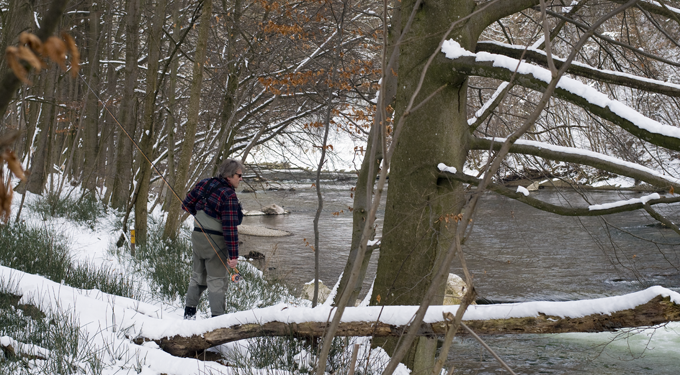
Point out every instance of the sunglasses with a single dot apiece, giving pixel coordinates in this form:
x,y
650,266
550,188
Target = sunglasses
x,y
239,175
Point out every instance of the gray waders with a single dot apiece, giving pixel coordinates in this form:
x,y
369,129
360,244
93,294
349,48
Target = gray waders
x,y
209,270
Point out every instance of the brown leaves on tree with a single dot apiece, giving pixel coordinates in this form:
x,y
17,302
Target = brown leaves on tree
x,y
6,190
33,52
15,168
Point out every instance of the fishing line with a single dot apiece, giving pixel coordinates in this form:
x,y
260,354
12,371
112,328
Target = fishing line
x,y
233,276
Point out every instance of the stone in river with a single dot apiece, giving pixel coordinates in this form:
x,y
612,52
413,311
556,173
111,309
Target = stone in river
x,y
273,210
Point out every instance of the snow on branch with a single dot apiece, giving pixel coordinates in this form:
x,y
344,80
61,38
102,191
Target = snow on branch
x,y
489,106
642,200
537,78
580,156
142,322
580,69
616,207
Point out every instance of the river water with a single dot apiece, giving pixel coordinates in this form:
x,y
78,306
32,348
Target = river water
x,y
516,253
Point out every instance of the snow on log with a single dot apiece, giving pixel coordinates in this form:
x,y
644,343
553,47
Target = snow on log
x,y
650,307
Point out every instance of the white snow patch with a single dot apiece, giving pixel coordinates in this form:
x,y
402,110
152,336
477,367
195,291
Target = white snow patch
x,y
453,50
523,190
627,202
445,168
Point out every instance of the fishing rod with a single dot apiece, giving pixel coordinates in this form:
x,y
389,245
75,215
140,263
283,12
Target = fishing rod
x,y
235,276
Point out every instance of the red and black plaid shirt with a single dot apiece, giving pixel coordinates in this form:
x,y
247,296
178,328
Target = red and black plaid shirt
x,y
222,204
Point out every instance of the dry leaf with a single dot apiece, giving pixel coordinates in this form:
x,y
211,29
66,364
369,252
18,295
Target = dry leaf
x,y
14,164
27,55
32,41
5,200
7,204
13,62
55,49
672,190
73,51
377,298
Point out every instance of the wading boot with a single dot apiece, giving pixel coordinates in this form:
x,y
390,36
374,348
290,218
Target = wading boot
x,y
189,313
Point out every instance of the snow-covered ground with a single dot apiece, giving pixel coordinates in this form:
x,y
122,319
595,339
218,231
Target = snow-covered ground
x,y
108,323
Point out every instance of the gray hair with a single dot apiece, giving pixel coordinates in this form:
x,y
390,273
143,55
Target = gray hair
x,y
229,167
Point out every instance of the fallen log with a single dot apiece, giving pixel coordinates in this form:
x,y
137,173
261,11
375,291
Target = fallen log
x,y
657,310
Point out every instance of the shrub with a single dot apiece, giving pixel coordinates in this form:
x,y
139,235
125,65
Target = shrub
x,y
57,332
85,210
43,252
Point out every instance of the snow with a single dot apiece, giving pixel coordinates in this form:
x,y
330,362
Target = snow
x,y
672,9
592,154
374,242
453,50
523,190
108,321
98,310
577,63
606,206
445,168
488,103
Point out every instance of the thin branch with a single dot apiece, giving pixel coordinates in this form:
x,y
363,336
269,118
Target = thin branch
x,y
479,339
579,156
582,70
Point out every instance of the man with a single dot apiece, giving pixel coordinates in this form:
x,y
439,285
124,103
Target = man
x,y
216,212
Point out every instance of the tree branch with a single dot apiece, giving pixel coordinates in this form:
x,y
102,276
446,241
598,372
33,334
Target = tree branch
x,y
582,70
655,311
552,208
580,156
620,115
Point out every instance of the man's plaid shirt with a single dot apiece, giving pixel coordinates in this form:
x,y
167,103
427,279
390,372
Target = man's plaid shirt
x,y
222,204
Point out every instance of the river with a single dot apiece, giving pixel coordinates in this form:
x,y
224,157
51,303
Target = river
x,y
516,253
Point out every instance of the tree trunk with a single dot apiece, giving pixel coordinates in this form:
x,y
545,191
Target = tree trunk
x,y
41,163
111,127
91,123
17,19
172,113
368,172
148,130
181,177
227,130
421,209
657,311
128,117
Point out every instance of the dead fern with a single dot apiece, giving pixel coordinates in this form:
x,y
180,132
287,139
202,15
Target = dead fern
x,y
34,53
15,169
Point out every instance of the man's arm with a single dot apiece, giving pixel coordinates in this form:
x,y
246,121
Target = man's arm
x,y
189,203
229,213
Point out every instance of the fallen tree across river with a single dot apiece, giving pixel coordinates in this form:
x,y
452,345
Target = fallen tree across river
x,y
650,307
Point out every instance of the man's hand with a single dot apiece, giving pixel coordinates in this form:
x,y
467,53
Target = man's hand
x,y
232,263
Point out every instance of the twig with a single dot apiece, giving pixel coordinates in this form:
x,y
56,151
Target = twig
x,y
479,339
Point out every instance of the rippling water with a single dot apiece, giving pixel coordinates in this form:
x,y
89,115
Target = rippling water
x,y
516,253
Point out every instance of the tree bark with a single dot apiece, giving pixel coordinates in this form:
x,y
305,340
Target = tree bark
x,y
120,195
91,123
171,117
657,311
148,130
41,163
420,209
368,172
181,176
227,130
112,128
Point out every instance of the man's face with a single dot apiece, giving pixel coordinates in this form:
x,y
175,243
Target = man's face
x,y
235,179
